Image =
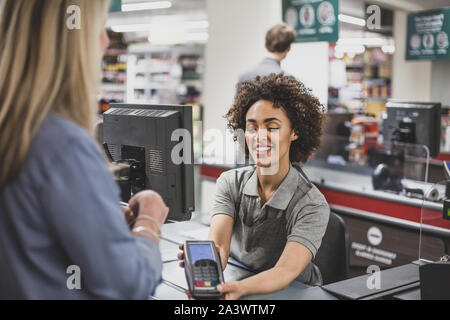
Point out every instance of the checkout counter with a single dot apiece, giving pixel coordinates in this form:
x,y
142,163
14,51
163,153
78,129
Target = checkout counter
x,y
174,282
396,232
400,283
394,218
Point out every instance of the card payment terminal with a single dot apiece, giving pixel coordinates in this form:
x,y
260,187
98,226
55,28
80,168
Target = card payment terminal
x,y
203,269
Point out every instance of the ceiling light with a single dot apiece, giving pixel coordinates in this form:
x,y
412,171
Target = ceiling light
x,y
352,20
376,42
201,24
357,49
339,54
146,6
390,49
199,36
131,27
171,37
166,37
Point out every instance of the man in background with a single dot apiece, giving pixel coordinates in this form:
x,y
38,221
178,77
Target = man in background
x,y
278,43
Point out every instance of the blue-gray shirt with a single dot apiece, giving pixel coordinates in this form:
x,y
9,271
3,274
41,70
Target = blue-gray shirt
x,y
63,210
264,68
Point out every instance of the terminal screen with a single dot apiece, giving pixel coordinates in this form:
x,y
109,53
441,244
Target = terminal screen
x,y
200,252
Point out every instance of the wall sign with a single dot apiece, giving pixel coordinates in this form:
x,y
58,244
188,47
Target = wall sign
x,y
314,20
375,236
386,246
116,6
428,35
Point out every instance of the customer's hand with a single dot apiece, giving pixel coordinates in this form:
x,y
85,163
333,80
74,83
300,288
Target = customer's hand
x,y
151,204
180,255
129,216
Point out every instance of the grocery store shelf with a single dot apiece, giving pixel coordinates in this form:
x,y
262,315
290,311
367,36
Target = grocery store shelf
x,y
114,87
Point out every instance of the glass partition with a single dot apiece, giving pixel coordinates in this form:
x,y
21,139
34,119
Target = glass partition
x,y
403,169
434,239
391,209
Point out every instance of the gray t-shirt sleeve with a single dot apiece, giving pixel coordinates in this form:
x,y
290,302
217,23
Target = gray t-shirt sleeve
x,y
224,202
310,224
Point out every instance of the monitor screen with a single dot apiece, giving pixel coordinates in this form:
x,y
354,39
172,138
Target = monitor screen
x,y
416,123
158,141
200,252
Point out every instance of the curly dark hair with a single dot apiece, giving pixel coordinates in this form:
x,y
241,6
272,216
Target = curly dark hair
x,y
306,113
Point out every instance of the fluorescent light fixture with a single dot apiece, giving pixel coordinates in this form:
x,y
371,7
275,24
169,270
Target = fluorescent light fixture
x,y
166,37
352,20
201,24
171,37
375,42
198,36
390,49
131,27
357,49
154,5
339,54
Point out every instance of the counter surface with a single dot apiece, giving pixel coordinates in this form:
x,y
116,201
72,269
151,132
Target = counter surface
x,y
362,185
174,281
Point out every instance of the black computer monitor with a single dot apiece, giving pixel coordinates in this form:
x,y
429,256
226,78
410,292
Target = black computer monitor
x,y
413,122
144,133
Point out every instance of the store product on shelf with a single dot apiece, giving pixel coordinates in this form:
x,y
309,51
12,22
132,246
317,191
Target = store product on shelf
x,y
363,135
165,76
368,84
114,76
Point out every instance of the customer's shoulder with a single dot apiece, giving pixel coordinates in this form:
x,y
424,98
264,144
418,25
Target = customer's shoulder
x,y
58,143
59,130
64,127
58,135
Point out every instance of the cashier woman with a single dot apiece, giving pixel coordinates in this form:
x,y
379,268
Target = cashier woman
x,y
63,234
269,216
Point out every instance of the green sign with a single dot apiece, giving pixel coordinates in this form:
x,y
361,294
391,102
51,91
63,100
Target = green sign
x,y
116,6
428,34
314,20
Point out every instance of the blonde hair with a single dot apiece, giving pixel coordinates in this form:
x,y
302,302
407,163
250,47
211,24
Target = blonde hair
x,y
45,67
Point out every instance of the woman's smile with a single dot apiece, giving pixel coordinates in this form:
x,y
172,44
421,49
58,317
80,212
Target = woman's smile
x,y
263,150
